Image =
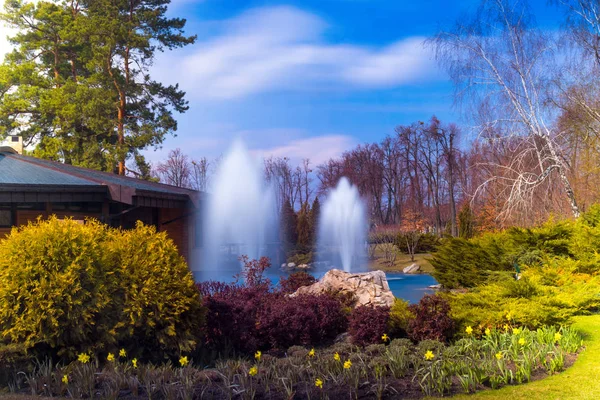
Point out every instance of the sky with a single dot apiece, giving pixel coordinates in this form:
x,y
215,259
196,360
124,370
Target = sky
x,y
307,79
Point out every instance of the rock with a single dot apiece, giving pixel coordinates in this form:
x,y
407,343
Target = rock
x,y
435,287
303,266
342,338
283,266
369,288
291,265
412,269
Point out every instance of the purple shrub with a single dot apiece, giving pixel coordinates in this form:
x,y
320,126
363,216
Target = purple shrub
x,y
285,321
432,319
295,281
368,324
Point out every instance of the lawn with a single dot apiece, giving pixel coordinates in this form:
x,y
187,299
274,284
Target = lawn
x,y
402,260
581,381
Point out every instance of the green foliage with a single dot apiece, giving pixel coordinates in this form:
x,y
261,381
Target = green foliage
x,y
80,73
549,295
466,222
400,316
161,307
462,263
303,231
69,288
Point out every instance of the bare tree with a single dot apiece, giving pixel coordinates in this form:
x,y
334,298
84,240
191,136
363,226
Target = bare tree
x,y
199,174
175,170
496,57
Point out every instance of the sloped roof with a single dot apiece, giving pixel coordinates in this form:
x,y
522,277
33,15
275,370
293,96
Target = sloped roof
x,y
17,170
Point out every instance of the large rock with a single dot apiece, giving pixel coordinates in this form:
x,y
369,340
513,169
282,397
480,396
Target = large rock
x,y
412,269
369,288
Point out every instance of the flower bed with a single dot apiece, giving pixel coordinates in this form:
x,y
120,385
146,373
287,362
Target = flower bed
x,y
396,368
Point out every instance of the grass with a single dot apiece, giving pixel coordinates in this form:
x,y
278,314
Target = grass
x,y
580,381
402,260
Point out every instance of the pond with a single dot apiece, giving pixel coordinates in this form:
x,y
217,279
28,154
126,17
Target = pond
x,y
405,286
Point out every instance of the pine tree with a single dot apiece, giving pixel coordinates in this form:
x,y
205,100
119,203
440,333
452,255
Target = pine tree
x,y
78,83
466,222
303,229
289,222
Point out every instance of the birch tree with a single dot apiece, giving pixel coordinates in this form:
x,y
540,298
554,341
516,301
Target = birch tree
x,y
497,58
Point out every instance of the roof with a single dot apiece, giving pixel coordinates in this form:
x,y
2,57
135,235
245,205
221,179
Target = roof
x,y
23,172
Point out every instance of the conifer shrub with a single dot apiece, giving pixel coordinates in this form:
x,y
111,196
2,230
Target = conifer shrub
x,y
160,308
56,295
400,317
367,325
70,288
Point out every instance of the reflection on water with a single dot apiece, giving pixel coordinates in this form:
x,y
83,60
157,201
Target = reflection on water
x,y
407,287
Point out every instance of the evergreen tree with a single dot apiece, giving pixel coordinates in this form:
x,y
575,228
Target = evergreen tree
x,y
315,214
303,229
78,84
289,223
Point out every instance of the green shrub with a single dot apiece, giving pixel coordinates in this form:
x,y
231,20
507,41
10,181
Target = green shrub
x,y
400,317
57,287
463,263
161,309
69,288
548,295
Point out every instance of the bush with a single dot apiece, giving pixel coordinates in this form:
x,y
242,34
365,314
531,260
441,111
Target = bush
x,y
432,319
70,288
301,320
462,263
296,280
368,324
161,312
57,287
400,317
231,316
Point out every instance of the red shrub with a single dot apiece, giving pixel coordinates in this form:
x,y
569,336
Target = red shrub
x,y
295,281
432,319
302,320
368,324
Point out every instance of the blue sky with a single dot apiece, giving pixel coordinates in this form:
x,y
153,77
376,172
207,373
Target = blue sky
x,y
310,78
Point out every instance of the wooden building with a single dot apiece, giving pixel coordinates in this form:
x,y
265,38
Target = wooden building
x,y
32,187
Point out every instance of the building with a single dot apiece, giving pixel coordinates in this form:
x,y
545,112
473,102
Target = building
x,y
31,187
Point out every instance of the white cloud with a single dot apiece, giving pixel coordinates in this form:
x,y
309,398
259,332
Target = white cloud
x,y
283,48
317,149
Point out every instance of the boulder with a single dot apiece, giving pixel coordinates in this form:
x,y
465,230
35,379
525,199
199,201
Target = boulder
x,y
412,269
303,266
291,265
369,288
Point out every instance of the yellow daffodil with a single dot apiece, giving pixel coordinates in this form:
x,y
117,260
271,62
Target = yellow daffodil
x,y
508,315
311,353
183,361
347,364
429,355
257,355
337,357
506,327
110,357
522,341
122,353
83,358
319,383
557,336
385,338
488,332
134,362
253,371
65,379
516,331
469,330
499,356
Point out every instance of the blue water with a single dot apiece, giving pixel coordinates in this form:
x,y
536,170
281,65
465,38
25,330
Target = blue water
x,y
408,287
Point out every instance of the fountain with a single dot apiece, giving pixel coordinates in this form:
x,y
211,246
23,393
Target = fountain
x,y
240,217
342,228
